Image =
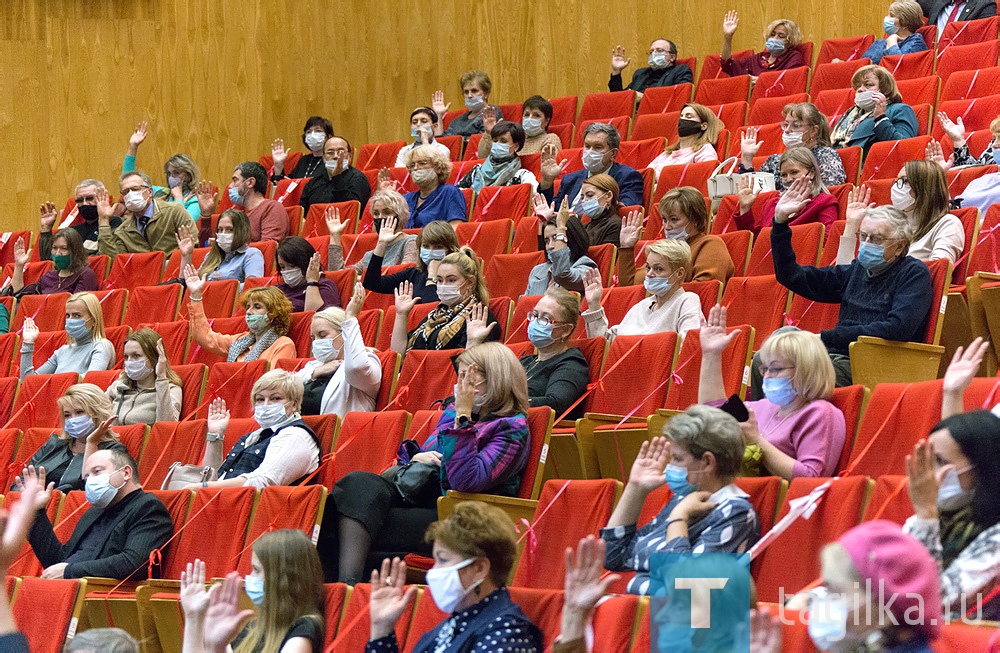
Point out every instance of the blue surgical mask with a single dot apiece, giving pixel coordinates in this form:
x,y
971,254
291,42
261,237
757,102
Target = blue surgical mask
x,y
592,161
778,390
540,335
99,491
427,255
174,182
256,323
774,46
234,196
657,60
590,207
474,103
679,233
78,427
657,286
870,255
499,151
254,587
677,479
415,132
889,25
996,155
76,328
532,126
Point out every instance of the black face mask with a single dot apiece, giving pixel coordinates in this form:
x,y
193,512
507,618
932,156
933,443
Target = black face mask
x,y
687,127
88,212
377,224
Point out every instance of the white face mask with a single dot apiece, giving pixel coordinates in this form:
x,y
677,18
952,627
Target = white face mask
x,y
293,276
828,616
134,201
674,234
791,139
137,370
532,126
446,586
315,141
224,241
323,350
269,415
332,165
901,198
864,100
951,496
448,294
423,177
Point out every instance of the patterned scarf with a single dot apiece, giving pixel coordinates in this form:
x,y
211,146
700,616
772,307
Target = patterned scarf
x,y
257,346
446,321
495,174
958,530
845,127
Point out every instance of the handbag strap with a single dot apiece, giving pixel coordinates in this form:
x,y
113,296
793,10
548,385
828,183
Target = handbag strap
x,y
732,168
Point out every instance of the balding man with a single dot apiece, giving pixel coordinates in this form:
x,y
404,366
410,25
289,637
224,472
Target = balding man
x,y
663,68
86,206
150,225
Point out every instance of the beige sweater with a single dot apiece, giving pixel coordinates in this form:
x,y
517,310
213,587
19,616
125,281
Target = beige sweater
x,y
146,406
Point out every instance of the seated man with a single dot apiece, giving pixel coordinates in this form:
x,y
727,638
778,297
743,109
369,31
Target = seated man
x,y
268,218
86,205
600,148
942,12
337,181
882,293
114,538
663,69
150,225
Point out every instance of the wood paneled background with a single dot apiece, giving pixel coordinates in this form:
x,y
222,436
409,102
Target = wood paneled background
x,y
219,79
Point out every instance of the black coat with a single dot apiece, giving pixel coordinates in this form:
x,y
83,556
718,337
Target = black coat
x,y
973,10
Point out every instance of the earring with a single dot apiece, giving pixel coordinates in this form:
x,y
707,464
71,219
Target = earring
x,y
478,591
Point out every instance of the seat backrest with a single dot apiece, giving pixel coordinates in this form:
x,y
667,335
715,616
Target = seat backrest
x,y
807,240
639,153
232,382
661,99
61,601
780,83
598,106
683,391
487,238
885,158
427,376
967,57
35,402
174,336
366,442
8,390
758,301
617,301
426,616
375,156
919,90
422,425
621,390
281,506
739,244
507,274
976,113
983,257
722,91
289,191
540,419
768,135
355,628
170,442
834,102
48,311
851,401
112,305
890,499
9,442
218,299
543,607
153,304
315,224
940,280
967,84
689,174
908,66
765,110
558,523
416,316
709,292
834,75
502,203
336,601
391,362
846,49
134,270
9,344
220,516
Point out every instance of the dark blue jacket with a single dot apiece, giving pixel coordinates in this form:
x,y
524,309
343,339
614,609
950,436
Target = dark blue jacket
x,y
628,178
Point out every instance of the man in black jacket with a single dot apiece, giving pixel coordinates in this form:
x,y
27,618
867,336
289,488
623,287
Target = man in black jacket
x,y
114,538
663,69
942,12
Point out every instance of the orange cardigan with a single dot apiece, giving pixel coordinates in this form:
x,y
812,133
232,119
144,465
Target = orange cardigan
x,y
219,343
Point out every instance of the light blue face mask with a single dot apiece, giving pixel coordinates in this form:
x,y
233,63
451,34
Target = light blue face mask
x,y
539,335
234,196
889,25
870,255
415,132
657,286
996,155
779,391
590,207
76,328
499,151
677,479
427,255
99,490
532,126
254,587
474,103
675,234
774,46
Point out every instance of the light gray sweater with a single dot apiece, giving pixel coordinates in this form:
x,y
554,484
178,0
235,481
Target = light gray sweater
x,y
80,357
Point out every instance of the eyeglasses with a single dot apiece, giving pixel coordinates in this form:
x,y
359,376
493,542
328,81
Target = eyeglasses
x,y
534,316
874,239
418,164
89,199
773,370
137,189
662,51
901,182
792,125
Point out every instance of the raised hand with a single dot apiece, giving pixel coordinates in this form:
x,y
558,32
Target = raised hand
x,y
858,203
562,218
162,360
465,391
955,130
194,283
585,585
21,255
29,331
405,301
313,269
223,618
384,181
206,197
185,241
477,325
729,24
618,60
104,208
925,478
713,336
387,233
964,366
794,199
98,433
880,104
549,166
934,153
16,520
218,416
437,103
749,146
631,230
194,596
333,223
35,478
279,154
593,287
747,193
650,465
47,217
139,135
489,118
388,599
357,302
542,209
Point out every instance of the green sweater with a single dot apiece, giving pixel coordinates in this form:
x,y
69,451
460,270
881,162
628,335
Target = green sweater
x,y
161,232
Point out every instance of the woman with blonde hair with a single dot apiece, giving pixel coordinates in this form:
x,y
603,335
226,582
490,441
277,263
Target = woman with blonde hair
x,y
389,213
795,429
268,318
782,48
285,585
231,256
878,114
668,308
697,130
344,375
480,444
804,200
147,391
180,171
435,198
461,288
434,242
85,409
900,26
86,350
804,126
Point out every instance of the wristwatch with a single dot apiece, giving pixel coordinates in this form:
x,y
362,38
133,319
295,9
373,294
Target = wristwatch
x,y
561,238
213,437
313,283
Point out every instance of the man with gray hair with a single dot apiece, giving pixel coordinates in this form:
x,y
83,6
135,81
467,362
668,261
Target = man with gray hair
x,y
882,293
600,149
149,225
103,640
86,208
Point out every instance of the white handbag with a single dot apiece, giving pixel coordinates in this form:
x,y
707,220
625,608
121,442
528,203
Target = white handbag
x,y
721,183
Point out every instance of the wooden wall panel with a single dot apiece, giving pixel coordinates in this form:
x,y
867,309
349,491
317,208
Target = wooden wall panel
x,y
219,79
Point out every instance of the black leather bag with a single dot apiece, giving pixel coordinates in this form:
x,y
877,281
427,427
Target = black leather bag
x,y
418,483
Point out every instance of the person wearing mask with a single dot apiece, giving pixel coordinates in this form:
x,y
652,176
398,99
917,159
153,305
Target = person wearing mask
x,y
268,218
231,256
981,192
268,316
942,12
435,198
72,271
668,308
600,149
920,192
698,456
389,213
301,279
460,290
557,373
85,409
794,428
782,40
338,181
149,225
86,350
536,114
474,551
803,126
663,69
599,201
878,114
476,86
804,200
148,391
180,171
285,585
900,27
685,217
434,242
85,197
423,127
316,132
479,445
503,165
565,242
283,451
115,536
344,375
697,131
